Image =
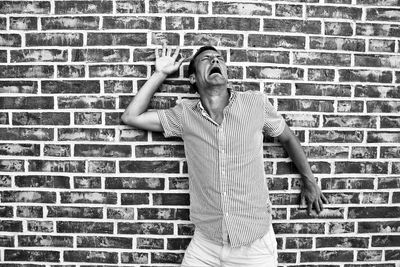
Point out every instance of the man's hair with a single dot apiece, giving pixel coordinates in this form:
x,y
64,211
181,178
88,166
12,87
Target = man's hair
x,y
192,66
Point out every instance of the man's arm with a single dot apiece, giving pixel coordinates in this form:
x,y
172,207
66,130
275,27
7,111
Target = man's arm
x,y
310,193
136,113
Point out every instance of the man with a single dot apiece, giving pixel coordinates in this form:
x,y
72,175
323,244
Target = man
x,y
223,139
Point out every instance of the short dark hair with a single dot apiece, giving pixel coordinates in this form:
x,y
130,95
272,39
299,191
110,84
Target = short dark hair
x,y
192,67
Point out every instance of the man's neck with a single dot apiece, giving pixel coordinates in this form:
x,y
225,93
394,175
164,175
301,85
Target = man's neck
x,y
214,101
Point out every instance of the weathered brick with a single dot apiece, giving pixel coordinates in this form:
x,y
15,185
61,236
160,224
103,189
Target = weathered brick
x,y
54,39
150,243
6,211
326,256
3,23
152,23
163,214
326,75
383,106
28,196
135,257
336,12
74,212
320,151
4,118
71,71
361,167
273,88
373,29
341,227
171,199
88,197
39,55
374,198
343,198
87,182
134,198
23,23
337,43
179,23
378,2
83,150
292,25
284,199
392,255
276,41
349,121
299,228
16,87
186,229
10,226
369,255
324,59
388,182
85,227
56,166
10,40
181,6
45,241
327,213
373,212
383,137
377,91
9,149
149,166
339,28
22,7
6,241
299,243
100,55
364,152
175,151
383,14
166,257
343,242
42,181
385,61
130,135
121,213
82,7
118,86
101,166
42,118
40,226
26,134
132,6
396,197
290,168
87,118
240,8
278,57
116,39
92,102
365,75
395,168
146,228
31,102
287,257
20,71
90,256
378,45
170,38
256,72
305,105
390,152
350,106
215,39
274,152
3,56
322,89
347,183
137,71
31,255
11,165
289,10
104,242
70,23
229,23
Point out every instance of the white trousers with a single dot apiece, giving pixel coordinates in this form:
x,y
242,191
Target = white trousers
x,y
203,252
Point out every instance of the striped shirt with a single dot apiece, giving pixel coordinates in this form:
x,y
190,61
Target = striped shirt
x,y
228,190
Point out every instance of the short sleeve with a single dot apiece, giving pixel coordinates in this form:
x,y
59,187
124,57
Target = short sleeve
x,y
171,120
274,124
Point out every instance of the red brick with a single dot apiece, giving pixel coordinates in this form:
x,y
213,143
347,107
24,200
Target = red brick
x,y
383,14
39,55
121,213
54,39
347,183
324,59
369,255
336,12
374,198
240,8
299,243
271,88
71,71
149,166
135,257
287,257
215,39
171,199
130,135
383,30
86,182
388,182
134,199
292,25
327,213
42,181
23,7
70,23
121,22
10,226
342,242
341,227
23,23
179,23
116,39
337,43
226,23
336,136
180,6
373,212
166,257
159,151
276,41
7,241
10,40
82,7
390,152
326,152
384,61
163,214
11,165
278,57
74,212
115,87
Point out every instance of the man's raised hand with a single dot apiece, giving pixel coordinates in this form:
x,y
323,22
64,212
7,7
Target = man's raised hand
x,y
166,63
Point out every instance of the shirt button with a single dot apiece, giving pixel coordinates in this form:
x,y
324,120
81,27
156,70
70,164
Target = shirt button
x,y
227,214
223,151
224,193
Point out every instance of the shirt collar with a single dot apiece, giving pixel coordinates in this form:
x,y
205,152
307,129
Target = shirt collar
x,y
232,96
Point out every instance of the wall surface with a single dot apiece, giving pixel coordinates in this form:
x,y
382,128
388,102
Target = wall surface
x,y
79,188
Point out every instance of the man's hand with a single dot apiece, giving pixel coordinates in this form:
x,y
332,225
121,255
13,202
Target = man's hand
x,y
166,63
312,196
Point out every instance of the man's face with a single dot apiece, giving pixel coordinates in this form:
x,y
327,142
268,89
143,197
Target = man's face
x,y
211,69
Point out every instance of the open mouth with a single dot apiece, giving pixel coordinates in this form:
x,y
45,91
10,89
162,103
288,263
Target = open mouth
x,y
215,70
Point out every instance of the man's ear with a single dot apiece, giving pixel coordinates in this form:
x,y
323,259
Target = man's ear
x,y
192,78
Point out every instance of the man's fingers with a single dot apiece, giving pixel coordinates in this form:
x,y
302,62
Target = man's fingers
x,y
309,207
157,53
175,56
169,51
317,207
164,49
321,204
324,199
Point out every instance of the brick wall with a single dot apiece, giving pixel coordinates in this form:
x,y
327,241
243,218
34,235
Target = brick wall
x,y
78,186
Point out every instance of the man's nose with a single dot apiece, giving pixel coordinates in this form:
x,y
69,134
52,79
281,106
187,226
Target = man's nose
x,y
215,60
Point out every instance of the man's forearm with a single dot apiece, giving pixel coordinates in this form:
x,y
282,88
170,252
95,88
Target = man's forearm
x,y
141,101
